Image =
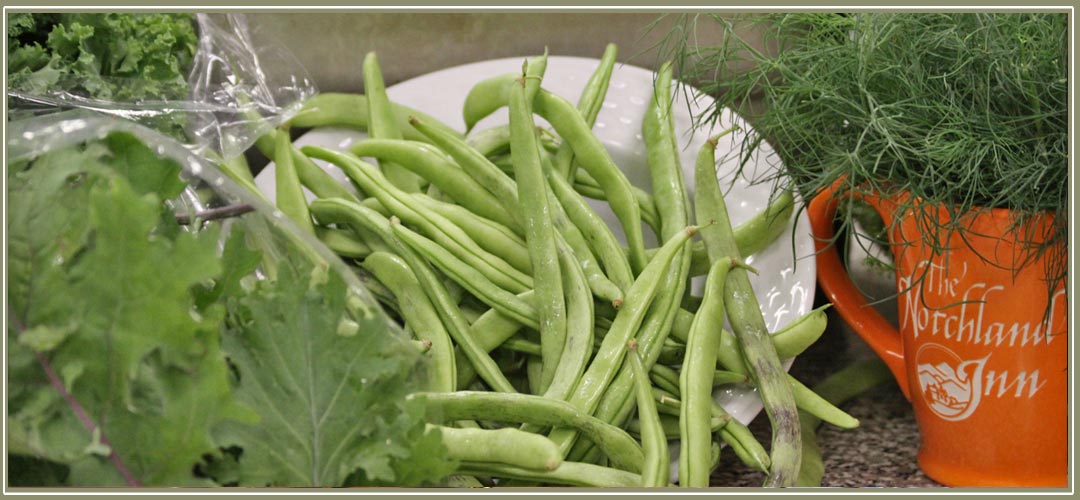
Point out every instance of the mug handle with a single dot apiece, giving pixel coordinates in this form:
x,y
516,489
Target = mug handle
x,y
867,322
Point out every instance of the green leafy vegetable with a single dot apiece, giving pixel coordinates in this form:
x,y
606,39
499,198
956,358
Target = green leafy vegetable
x,y
332,401
139,353
110,56
123,57
122,336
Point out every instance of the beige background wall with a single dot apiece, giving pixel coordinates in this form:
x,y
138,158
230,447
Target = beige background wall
x,y
332,45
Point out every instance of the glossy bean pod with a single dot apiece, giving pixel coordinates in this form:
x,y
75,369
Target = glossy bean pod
x,y
433,165
416,310
496,238
431,223
749,328
336,109
609,357
506,446
616,444
445,305
469,278
383,125
535,214
656,469
696,381
589,104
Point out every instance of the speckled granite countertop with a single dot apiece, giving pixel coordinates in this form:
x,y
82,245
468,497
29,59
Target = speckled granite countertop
x,y
880,453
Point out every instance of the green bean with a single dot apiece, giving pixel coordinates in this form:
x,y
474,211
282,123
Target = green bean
x,y
490,141
672,207
524,346
290,197
568,474
584,181
533,368
330,109
593,157
495,140
379,291
569,233
647,210
610,355
490,330
493,93
658,131
618,402
504,163
433,165
471,311
751,236
852,380
452,318
749,327
417,310
422,346
743,442
589,104
468,278
724,377
665,378
695,381
479,168
762,229
671,353
731,431
795,337
485,97
672,405
490,235
837,389
433,224
577,348
657,467
382,124
809,402
533,69
506,446
615,443
588,222
789,341
445,305
539,232
343,242
669,423
237,169
312,176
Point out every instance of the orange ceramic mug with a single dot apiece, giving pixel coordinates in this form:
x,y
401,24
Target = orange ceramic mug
x,y
977,353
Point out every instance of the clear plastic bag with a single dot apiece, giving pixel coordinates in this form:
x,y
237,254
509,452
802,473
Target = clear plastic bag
x,y
237,91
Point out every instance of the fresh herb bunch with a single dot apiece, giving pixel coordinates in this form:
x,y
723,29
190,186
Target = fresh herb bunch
x,y
120,57
143,353
966,110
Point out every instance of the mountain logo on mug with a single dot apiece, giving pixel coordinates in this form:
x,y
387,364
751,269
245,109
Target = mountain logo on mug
x,y
952,387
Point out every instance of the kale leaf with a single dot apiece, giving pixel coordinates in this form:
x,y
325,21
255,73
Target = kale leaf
x,y
140,353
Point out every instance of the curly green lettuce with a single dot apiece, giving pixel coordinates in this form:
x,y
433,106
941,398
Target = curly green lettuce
x,y
122,57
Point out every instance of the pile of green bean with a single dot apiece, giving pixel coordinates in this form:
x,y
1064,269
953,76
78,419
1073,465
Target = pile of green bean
x,y
556,356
